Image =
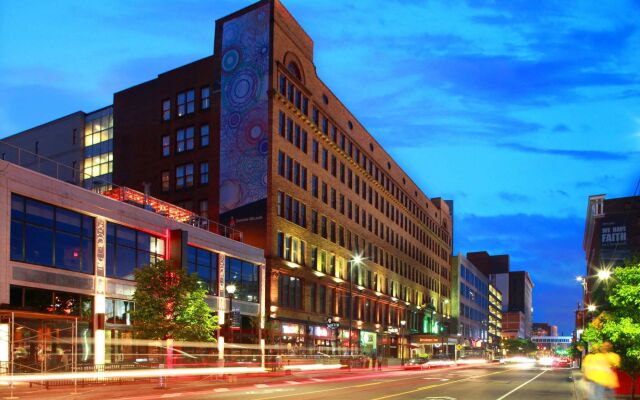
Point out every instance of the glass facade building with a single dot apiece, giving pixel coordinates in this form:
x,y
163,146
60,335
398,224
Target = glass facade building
x,y
98,149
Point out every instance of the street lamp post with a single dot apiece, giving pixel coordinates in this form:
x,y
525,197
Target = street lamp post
x,y
402,325
357,260
444,301
231,289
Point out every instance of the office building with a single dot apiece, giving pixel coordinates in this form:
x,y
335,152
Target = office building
x,y
495,319
470,296
68,260
517,292
77,148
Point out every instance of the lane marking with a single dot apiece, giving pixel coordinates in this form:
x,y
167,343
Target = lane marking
x,y
521,386
439,384
219,390
166,396
437,379
293,382
261,385
377,383
317,380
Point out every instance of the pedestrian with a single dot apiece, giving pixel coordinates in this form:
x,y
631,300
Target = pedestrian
x,y
599,373
380,359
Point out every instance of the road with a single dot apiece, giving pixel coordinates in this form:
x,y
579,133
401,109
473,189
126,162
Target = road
x,y
475,383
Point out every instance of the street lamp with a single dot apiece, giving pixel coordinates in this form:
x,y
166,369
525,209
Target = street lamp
x,y
591,307
604,274
357,260
402,324
231,289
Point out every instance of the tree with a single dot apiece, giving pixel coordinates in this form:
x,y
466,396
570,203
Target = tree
x,y
169,304
519,346
620,323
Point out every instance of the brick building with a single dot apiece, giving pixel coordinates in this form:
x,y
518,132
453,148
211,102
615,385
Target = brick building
x,y
292,168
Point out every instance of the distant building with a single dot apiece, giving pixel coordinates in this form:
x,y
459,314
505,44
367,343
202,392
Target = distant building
x,y
552,343
77,148
517,292
611,236
495,318
541,329
470,297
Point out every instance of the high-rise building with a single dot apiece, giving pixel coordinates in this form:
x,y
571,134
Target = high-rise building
x,y
301,178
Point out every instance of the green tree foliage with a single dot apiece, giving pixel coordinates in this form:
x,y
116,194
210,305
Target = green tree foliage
x,y
519,346
620,323
169,304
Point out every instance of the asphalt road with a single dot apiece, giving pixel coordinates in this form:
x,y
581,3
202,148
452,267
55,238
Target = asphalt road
x,y
476,383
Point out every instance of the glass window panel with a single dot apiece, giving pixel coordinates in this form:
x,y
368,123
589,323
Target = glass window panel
x,y
125,262
17,241
144,259
39,213
68,251
126,236
87,256
39,245
17,207
144,241
68,221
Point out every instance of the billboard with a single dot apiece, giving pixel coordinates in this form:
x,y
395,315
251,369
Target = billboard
x,y
613,239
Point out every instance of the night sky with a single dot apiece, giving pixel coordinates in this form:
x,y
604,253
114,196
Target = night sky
x,y
516,110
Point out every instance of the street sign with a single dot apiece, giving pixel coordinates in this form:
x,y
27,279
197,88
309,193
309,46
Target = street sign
x,y
333,325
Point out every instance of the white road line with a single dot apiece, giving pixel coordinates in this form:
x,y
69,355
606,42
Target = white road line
x,y
261,385
165,396
519,387
219,390
316,379
437,379
292,382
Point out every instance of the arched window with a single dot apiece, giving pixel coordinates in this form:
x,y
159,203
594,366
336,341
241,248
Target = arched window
x,y
295,70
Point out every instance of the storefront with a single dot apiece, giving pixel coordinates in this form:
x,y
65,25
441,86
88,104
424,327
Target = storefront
x,y
347,346
290,337
368,343
322,339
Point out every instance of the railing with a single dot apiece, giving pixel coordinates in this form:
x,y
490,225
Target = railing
x,y
54,169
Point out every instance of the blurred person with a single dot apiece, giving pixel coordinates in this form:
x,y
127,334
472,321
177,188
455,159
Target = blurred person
x,y
598,370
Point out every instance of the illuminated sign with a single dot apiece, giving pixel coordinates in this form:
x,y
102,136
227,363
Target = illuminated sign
x,y
221,277
101,229
427,339
291,329
319,331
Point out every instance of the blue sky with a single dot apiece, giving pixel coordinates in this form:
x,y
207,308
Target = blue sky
x,y
516,110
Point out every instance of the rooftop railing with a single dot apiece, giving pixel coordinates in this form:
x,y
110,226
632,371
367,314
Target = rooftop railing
x,y
103,186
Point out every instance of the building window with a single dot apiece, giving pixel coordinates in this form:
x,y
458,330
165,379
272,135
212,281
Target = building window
x,y
204,173
166,110
118,311
186,102
204,209
204,264
205,99
244,275
184,176
166,146
129,249
165,181
47,235
185,139
204,135
289,292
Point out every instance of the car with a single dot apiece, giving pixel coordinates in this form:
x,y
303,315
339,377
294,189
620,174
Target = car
x,y
418,363
441,360
561,362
